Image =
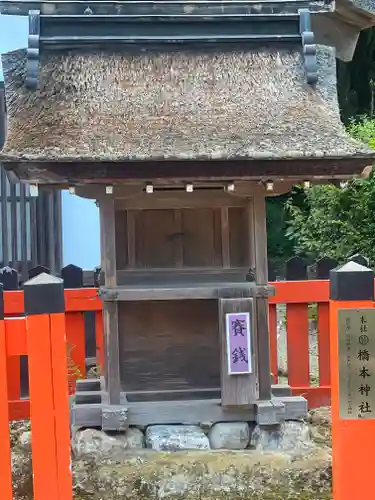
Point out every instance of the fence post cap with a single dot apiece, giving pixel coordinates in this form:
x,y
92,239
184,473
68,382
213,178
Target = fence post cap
x,y
351,267
352,281
44,294
44,279
9,278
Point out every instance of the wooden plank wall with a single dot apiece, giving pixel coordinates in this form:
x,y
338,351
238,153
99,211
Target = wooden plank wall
x,y
31,227
176,238
169,345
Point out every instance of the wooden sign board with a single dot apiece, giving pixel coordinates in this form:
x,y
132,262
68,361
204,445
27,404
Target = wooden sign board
x,y
239,352
357,363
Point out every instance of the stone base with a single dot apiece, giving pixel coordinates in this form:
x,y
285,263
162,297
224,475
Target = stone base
x,y
91,409
287,437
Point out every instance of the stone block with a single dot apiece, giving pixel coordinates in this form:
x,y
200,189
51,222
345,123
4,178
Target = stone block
x,y
133,439
176,437
95,444
286,437
229,436
91,443
24,440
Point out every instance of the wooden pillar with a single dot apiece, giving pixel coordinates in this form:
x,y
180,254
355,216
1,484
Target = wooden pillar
x,y
110,309
238,376
258,260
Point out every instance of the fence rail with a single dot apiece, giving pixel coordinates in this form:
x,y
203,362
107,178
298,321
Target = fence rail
x,y
296,305
296,297
77,302
40,334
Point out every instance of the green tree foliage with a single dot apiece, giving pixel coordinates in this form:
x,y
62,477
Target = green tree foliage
x,y
280,248
336,221
302,224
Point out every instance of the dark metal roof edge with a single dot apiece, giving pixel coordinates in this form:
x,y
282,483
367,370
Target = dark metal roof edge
x,y
271,29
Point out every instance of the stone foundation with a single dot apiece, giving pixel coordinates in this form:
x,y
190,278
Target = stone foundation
x,y
288,436
290,461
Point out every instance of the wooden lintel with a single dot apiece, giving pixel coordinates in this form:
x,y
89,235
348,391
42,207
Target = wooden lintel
x,y
86,172
167,200
180,277
178,292
134,191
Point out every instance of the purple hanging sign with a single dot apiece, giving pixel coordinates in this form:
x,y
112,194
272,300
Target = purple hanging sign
x,y
239,343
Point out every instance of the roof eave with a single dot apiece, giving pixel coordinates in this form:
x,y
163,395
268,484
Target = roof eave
x,y
87,172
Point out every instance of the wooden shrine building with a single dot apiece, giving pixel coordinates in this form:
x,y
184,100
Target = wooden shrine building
x,y
180,119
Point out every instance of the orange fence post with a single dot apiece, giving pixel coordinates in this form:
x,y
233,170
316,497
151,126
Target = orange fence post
x,y
324,345
16,345
5,461
61,400
297,321
76,344
14,378
272,320
352,335
49,408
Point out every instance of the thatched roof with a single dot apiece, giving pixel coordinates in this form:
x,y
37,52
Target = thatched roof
x,y
182,105
2,115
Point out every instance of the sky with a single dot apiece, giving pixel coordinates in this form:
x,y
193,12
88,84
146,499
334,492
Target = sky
x,y
13,34
81,243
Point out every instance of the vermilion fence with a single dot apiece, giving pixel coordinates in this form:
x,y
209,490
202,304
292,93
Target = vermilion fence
x,y
41,335
77,301
296,295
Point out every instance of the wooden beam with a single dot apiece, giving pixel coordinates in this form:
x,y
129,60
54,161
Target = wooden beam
x,y
250,234
192,412
225,238
180,292
107,229
179,243
178,200
259,228
61,172
130,224
260,239
110,310
165,189
171,276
